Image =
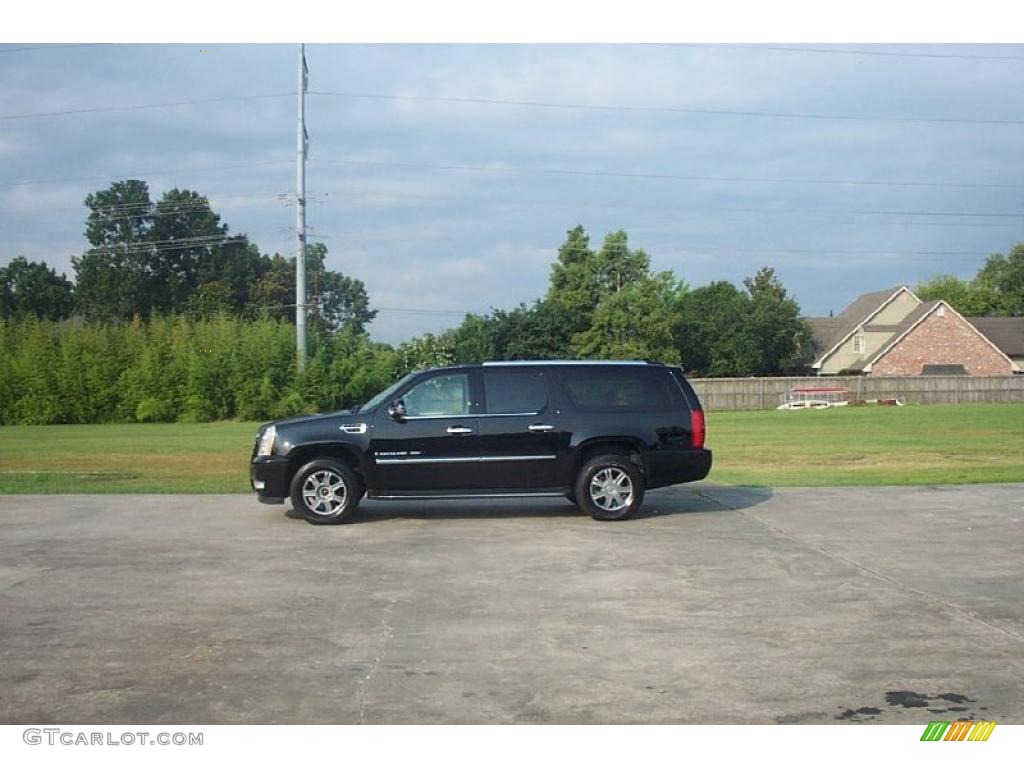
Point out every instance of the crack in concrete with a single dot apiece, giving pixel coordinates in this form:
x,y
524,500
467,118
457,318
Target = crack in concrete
x,y
385,632
931,598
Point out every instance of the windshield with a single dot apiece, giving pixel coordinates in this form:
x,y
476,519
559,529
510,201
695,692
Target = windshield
x,y
386,394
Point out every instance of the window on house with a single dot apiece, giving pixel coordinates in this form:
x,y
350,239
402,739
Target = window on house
x,y
858,343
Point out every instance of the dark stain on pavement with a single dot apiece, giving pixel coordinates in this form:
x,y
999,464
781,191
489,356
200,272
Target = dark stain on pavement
x,y
934,703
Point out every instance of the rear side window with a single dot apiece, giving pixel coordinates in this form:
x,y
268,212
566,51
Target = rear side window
x,y
515,391
625,388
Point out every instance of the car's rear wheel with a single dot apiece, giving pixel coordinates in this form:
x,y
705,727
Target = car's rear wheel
x,y
326,491
610,487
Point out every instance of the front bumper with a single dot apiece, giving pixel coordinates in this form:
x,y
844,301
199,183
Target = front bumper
x,y
268,476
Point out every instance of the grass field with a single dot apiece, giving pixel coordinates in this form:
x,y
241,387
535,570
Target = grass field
x,y
844,446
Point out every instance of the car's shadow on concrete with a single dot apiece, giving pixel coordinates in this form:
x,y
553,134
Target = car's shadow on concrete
x,y
661,502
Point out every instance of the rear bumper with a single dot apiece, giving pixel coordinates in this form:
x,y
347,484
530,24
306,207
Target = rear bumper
x,y
672,467
268,476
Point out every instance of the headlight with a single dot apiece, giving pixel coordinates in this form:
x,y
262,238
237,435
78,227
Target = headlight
x,y
267,442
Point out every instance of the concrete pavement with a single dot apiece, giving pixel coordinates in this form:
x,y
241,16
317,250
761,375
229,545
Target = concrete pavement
x,y
716,605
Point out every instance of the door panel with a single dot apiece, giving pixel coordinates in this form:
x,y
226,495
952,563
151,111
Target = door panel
x,y
425,454
521,442
514,456
433,448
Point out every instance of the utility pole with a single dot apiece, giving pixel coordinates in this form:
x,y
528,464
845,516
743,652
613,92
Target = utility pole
x,y
300,216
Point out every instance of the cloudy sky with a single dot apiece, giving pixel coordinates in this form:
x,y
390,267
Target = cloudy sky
x,y
445,177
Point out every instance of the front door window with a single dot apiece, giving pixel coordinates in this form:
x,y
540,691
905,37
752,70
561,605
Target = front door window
x,y
444,395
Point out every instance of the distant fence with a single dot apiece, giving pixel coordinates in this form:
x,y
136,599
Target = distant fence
x,y
758,393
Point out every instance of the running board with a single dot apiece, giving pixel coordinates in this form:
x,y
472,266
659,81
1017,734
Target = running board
x,y
419,496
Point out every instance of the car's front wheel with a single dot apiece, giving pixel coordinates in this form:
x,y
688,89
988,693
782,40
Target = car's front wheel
x,y
325,491
610,487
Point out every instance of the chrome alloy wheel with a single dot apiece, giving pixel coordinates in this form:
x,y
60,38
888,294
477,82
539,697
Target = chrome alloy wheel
x,y
611,489
324,492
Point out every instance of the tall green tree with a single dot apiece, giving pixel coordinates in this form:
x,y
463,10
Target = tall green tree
x,y
967,297
1004,276
114,277
32,288
537,332
635,321
573,288
184,231
169,257
776,336
581,277
273,293
709,331
341,301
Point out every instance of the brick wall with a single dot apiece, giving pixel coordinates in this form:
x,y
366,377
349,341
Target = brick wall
x,y
942,340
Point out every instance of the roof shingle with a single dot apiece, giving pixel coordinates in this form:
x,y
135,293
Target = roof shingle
x,y
1007,333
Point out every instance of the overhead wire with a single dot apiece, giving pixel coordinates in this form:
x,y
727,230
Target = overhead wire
x,y
845,51
661,176
137,174
134,107
710,209
665,109
50,47
530,103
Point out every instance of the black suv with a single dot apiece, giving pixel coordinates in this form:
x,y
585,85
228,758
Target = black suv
x,y
598,433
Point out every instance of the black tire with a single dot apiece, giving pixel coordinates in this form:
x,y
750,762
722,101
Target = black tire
x,y
604,506
324,507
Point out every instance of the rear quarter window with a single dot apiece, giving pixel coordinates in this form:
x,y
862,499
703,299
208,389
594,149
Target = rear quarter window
x,y
629,388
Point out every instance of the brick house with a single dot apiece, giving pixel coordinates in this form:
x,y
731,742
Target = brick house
x,y
894,333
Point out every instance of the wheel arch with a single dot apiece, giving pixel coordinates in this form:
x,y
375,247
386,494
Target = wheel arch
x,y
304,454
626,445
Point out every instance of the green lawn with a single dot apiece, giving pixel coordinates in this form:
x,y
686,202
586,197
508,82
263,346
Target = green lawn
x,y
843,446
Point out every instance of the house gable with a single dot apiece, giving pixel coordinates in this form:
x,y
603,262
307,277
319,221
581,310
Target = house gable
x,y
941,336
865,330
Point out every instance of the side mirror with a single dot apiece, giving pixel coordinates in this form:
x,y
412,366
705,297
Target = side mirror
x,y
397,410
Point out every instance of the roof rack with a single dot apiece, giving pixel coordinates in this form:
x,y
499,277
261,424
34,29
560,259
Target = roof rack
x,y
569,362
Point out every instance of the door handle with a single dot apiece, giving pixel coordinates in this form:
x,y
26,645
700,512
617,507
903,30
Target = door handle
x,y
459,430
541,427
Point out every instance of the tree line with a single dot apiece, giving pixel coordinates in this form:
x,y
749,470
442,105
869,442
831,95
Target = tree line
x,y
171,317
175,256
179,368
607,303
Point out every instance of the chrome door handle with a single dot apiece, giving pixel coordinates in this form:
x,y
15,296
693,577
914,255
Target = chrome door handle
x,y
541,427
459,430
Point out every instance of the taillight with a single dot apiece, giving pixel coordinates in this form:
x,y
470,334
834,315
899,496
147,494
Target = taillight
x,y
696,429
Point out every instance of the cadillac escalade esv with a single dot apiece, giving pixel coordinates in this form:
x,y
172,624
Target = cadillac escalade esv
x,y
598,433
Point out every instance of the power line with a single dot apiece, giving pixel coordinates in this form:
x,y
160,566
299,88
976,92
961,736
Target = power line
x,y
132,108
533,170
695,249
670,251
847,51
684,209
49,47
135,211
670,110
126,175
666,176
